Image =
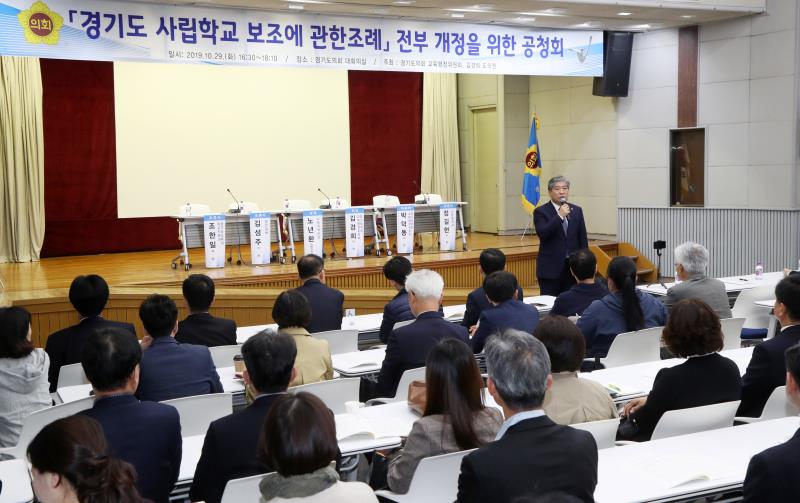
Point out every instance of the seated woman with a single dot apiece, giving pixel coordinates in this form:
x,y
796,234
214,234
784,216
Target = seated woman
x,y
692,332
70,464
571,399
624,309
292,313
23,374
454,418
298,439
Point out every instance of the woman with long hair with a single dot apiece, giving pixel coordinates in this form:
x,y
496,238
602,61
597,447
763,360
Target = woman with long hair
x,y
455,418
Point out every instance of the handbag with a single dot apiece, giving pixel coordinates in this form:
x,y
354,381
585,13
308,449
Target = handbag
x,y
628,428
417,396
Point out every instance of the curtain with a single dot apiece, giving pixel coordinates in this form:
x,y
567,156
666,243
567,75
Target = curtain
x,y
441,171
21,160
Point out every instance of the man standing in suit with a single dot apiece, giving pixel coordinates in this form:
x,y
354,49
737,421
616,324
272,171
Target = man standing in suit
x,y
767,368
583,267
170,369
200,327
491,260
408,346
691,261
507,311
327,304
145,434
230,449
88,295
531,454
561,230
396,270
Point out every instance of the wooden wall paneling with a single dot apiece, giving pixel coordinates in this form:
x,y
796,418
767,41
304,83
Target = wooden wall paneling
x,y
687,76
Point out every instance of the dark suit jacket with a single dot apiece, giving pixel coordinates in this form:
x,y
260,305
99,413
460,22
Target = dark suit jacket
x,y
396,310
477,303
326,306
206,330
173,370
509,314
230,451
577,299
146,435
408,347
772,474
554,246
65,347
534,457
766,371
701,380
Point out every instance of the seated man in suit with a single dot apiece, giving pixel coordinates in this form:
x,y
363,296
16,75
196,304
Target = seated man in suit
x,y
767,368
200,327
88,295
170,369
531,455
490,260
772,474
396,270
573,302
408,346
145,434
506,311
230,449
691,261
327,304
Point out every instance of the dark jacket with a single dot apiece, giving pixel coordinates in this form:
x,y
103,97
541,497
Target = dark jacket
x,y
327,306
477,303
535,456
230,451
772,474
680,387
603,320
173,370
766,371
509,314
408,348
146,435
65,347
575,300
396,310
206,330
554,246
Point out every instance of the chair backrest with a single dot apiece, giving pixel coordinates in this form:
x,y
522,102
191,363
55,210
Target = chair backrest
x,y
401,324
193,210
405,380
298,204
197,412
778,406
71,375
333,393
696,419
340,341
41,418
634,347
223,355
16,481
732,332
436,478
745,307
245,489
385,201
604,432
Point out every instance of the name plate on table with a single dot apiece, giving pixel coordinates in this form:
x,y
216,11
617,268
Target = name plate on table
x,y
312,232
214,237
405,228
447,226
354,240
260,225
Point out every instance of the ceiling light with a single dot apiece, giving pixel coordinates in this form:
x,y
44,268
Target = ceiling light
x,y
557,11
307,1
456,15
469,9
380,10
624,13
294,6
524,19
688,16
403,2
545,13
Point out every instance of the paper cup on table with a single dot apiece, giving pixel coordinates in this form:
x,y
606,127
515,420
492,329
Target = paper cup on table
x,y
238,364
352,406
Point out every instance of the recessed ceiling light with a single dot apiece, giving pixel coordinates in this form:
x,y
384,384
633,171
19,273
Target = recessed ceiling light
x,y
294,6
545,13
403,2
469,9
307,1
456,15
523,19
624,13
688,16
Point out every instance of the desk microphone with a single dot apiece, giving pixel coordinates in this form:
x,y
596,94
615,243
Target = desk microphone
x,y
563,202
324,206
238,203
424,195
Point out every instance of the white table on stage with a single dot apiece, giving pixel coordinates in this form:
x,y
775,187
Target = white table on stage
x,y
686,466
733,284
16,482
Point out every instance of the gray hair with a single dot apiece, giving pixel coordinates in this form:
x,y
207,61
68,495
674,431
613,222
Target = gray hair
x,y
425,284
518,364
556,179
692,256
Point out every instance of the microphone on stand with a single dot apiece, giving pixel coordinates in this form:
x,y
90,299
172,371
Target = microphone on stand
x,y
324,206
563,201
238,203
424,195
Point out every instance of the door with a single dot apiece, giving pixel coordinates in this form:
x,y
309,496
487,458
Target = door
x,y
484,201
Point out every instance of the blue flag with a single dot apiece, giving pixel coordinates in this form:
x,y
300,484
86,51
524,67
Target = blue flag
x,y
533,171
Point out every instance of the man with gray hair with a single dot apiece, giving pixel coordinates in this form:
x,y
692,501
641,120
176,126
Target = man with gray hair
x,y
408,346
561,230
531,455
691,262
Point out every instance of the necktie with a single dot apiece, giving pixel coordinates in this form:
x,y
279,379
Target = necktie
x,y
565,225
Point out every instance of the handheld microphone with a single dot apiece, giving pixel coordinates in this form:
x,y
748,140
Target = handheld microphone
x,y
424,195
563,201
238,203
324,206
